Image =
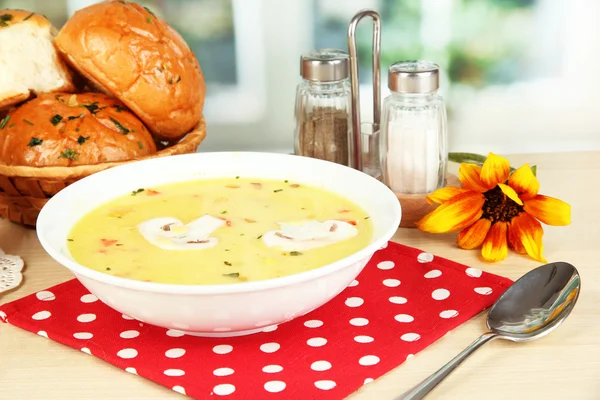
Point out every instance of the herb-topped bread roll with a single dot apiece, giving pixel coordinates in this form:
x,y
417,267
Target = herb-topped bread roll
x,y
72,129
127,51
29,62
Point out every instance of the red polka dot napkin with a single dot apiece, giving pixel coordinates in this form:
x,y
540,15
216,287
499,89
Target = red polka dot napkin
x,y
403,301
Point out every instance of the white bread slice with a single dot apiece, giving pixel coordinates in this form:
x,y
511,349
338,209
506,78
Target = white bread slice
x,y
29,62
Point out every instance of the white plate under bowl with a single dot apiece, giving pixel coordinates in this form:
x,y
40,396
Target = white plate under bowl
x,y
218,310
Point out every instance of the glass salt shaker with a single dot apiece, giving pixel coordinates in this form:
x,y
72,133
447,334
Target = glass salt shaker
x,y
323,107
413,136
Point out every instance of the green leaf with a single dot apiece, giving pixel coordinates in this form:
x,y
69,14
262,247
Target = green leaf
x,y
470,158
478,159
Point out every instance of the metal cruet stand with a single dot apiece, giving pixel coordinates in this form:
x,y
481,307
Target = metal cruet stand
x,y
359,137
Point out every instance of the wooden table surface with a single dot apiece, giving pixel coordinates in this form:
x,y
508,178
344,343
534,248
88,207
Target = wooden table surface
x,y
564,365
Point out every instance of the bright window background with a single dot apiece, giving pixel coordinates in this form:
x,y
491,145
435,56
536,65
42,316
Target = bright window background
x,y
518,75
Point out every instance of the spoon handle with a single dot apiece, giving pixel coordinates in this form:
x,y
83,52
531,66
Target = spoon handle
x,y
421,390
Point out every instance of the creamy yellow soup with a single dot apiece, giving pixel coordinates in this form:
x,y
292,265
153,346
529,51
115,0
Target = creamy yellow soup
x,y
219,231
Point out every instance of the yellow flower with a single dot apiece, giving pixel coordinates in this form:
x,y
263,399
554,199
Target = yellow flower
x,y
495,209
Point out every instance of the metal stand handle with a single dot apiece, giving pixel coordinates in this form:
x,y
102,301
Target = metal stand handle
x,y
356,143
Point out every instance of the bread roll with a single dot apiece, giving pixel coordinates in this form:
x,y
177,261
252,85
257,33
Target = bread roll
x,y
29,62
72,129
127,51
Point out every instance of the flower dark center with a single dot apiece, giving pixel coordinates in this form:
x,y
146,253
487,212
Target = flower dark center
x,y
499,207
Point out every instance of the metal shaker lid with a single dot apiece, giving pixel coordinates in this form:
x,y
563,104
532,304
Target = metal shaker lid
x,y
413,77
325,65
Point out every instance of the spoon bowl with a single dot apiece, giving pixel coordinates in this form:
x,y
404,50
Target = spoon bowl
x,y
535,304
531,308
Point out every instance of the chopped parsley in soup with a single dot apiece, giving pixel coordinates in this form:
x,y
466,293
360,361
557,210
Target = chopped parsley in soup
x,y
219,231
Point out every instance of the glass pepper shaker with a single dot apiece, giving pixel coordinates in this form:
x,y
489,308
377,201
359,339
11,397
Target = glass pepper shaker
x,y
413,136
323,107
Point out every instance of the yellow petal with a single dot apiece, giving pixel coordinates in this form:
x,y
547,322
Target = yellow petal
x,y
527,231
515,242
494,246
444,194
549,210
524,182
510,193
495,170
472,237
468,174
455,215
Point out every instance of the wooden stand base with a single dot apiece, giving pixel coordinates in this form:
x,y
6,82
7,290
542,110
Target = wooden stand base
x,y
415,206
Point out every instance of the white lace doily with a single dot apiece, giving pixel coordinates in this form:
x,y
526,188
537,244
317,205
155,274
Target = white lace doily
x,y
10,271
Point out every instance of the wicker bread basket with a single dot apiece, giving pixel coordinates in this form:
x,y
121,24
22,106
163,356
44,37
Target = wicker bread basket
x,y
24,190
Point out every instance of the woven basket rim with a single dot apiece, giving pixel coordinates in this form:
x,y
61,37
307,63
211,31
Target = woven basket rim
x,y
189,143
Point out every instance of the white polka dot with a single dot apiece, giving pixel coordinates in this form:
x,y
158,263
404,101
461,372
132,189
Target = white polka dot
x,y
483,290
325,385
83,335
404,318
2,315
410,337
174,372
86,318
274,386
179,389
125,316
222,349
353,283
174,353
440,294
398,300
359,321
473,272
386,265
410,356
88,298
131,370
313,323
270,328
129,334
45,295
448,314
223,371
38,316
354,302
367,381
272,369
434,273
127,353
368,360
391,282
316,342
363,339
174,333
425,258
86,350
224,389
320,365
385,245
43,333
269,347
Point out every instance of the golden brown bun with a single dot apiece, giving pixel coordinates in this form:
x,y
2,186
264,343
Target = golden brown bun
x,y
72,129
29,62
125,50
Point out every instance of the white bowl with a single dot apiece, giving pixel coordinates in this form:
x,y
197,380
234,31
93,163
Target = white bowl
x,y
219,310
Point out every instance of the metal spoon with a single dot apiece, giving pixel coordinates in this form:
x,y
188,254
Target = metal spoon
x,y
529,309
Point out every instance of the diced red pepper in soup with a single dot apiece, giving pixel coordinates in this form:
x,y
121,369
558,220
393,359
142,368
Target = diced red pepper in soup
x,y
108,242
